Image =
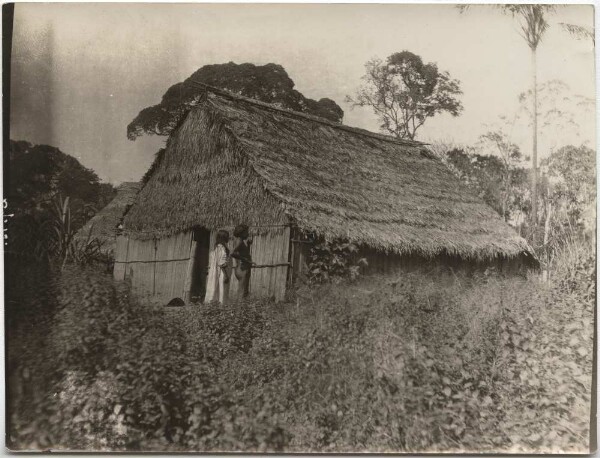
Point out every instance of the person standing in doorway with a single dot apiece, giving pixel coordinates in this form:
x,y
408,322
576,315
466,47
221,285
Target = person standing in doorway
x,y
241,254
217,285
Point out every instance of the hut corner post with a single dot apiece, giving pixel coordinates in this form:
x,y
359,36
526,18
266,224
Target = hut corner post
x,y
187,289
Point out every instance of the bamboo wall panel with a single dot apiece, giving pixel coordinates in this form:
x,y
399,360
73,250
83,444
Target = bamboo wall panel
x,y
121,252
156,268
172,257
271,248
189,274
161,268
140,266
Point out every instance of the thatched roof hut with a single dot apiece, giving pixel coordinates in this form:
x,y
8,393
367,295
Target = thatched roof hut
x,y
103,225
235,160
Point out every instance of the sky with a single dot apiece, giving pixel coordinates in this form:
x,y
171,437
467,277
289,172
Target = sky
x,y
81,72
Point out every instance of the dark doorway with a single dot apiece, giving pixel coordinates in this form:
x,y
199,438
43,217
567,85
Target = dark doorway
x,y
200,269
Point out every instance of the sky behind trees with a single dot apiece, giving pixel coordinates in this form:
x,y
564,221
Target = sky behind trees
x,y
81,72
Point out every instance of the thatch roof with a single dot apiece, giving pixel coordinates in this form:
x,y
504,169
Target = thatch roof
x,y
236,160
104,223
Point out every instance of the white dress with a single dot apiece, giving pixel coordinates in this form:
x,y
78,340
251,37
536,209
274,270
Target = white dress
x,y
216,288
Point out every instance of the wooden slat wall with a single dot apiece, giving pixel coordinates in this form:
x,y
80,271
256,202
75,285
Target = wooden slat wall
x,y
267,249
187,287
121,252
137,260
141,273
171,275
166,280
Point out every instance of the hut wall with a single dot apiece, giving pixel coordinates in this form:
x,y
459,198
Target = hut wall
x,y
382,263
162,268
155,267
121,253
172,259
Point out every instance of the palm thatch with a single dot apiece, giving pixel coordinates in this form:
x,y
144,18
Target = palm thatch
x,y
103,225
237,160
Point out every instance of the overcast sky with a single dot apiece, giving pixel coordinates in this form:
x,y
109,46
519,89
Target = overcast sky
x,y
82,72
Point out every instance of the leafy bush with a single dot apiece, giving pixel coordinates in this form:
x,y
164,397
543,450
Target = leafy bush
x,y
334,261
225,329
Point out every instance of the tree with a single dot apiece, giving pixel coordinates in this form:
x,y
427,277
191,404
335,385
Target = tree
x,y
572,170
497,143
40,172
404,92
499,182
40,177
564,117
533,22
268,83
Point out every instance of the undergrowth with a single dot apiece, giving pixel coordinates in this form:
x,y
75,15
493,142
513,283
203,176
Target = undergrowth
x,y
420,362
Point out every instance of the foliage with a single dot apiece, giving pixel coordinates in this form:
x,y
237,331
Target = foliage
x,y
334,260
563,115
228,329
573,169
511,171
532,20
547,359
418,363
49,236
268,83
120,379
431,361
404,92
501,183
39,172
89,251
43,220
579,32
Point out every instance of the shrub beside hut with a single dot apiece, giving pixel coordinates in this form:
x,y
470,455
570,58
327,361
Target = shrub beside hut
x,y
103,226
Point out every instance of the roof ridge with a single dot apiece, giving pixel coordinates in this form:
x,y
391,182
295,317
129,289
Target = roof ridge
x,y
309,117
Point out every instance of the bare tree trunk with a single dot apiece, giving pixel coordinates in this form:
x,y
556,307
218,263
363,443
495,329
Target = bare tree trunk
x,y
546,237
535,145
547,223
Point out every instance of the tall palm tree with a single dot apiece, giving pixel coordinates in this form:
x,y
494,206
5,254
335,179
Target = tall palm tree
x,y
533,25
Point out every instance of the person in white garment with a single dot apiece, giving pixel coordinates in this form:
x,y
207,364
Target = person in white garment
x,y
219,272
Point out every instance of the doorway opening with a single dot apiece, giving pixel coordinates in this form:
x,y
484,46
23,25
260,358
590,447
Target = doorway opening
x,y
200,266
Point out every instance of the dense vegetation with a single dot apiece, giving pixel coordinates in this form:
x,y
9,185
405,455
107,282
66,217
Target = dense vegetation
x,y
49,196
417,362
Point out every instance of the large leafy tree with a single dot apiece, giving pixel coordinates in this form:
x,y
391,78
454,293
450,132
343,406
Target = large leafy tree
x,y
39,172
44,185
268,83
492,171
572,171
404,92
